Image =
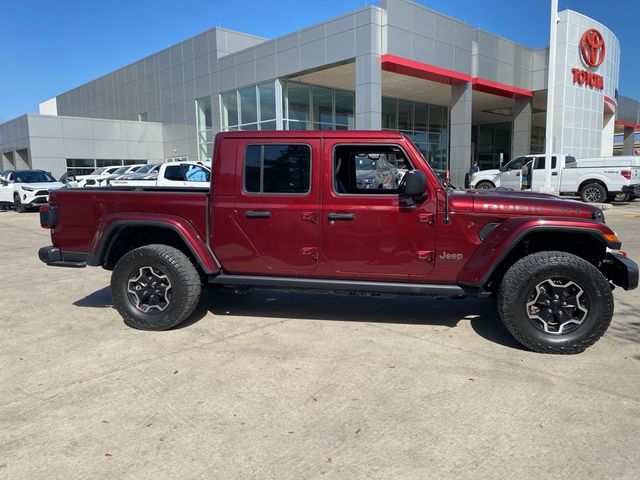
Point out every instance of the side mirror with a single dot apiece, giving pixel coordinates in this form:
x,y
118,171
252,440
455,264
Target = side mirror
x,y
414,185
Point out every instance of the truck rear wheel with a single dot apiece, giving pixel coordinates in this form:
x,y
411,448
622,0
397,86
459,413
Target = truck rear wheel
x,y
593,193
555,302
155,287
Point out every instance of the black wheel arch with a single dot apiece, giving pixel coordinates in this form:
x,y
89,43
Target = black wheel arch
x,y
584,243
124,236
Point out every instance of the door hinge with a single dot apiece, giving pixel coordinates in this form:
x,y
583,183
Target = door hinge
x,y
310,217
310,252
426,218
426,256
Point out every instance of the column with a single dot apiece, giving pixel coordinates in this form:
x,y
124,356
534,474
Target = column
x,y
460,144
629,141
608,126
521,135
368,92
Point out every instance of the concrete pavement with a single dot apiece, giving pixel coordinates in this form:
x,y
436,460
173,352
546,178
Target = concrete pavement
x,y
296,386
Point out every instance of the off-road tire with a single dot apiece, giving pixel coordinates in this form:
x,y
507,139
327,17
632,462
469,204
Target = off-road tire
x,y
484,185
589,191
520,282
182,275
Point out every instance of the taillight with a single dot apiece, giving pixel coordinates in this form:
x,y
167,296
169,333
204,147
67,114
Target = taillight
x,y
48,216
626,174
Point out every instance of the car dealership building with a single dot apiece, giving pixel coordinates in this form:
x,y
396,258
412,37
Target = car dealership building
x,y
460,93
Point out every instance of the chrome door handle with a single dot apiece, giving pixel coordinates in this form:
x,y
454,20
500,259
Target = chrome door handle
x,y
252,214
342,216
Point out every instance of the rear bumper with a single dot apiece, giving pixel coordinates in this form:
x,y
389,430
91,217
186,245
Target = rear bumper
x,y
632,189
55,257
621,270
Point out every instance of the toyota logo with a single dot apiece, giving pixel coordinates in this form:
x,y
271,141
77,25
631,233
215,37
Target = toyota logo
x,y
592,47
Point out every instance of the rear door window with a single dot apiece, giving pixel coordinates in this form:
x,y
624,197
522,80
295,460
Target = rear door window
x,y
277,168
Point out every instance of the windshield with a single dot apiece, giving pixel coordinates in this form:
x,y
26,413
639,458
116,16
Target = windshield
x,y
29,176
121,170
98,171
147,168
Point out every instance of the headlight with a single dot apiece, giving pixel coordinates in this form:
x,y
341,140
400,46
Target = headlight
x,y
28,189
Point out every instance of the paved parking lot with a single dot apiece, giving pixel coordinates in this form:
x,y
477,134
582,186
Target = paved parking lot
x,y
279,385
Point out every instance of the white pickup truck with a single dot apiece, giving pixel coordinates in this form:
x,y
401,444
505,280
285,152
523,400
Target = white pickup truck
x,y
593,181
172,174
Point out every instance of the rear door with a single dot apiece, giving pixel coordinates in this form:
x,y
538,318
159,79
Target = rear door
x,y
366,232
277,206
6,188
538,173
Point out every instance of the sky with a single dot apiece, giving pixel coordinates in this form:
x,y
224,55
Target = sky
x,y
48,47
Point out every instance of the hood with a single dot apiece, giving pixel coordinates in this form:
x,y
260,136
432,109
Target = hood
x,y
42,185
512,202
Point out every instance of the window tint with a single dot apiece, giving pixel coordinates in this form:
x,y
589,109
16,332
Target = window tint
x,y
369,169
540,163
278,168
174,173
516,163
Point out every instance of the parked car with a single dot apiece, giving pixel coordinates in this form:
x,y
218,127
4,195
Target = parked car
x,y
172,174
119,173
94,178
593,183
374,172
146,172
275,218
25,189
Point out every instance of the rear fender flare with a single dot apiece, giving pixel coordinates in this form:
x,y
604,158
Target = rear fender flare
x,y
111,227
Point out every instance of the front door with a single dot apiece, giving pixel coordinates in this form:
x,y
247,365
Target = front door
x,y
367,233
511,175
277,207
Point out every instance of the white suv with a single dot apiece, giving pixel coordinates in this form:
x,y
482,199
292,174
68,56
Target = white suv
x,y
26,189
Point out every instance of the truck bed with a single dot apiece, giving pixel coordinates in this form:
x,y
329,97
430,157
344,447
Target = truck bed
x,y
86,214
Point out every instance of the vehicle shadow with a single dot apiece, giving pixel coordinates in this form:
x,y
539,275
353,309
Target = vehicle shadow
x,y
98,299
401,310
405,310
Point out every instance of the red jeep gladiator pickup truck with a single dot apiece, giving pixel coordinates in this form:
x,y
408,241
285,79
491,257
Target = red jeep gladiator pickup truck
x,y
348,211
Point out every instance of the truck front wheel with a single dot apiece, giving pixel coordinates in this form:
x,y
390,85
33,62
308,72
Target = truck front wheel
x,y
555,302
155,287
484,185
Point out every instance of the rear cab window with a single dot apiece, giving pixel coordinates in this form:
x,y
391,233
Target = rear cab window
x,y
277,169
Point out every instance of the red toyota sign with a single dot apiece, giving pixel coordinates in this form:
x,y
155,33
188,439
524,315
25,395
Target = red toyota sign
x,y
592,48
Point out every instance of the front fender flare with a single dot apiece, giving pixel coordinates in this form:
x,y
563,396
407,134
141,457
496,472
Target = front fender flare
x,y
510,233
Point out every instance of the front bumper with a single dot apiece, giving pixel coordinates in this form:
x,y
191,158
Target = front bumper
x,y
621,270
54,257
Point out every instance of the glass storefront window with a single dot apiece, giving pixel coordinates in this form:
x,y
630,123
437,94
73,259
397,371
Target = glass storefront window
x,y
319,108
267,94
248,105
250,108
229,108
345,107
204,125
426,125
